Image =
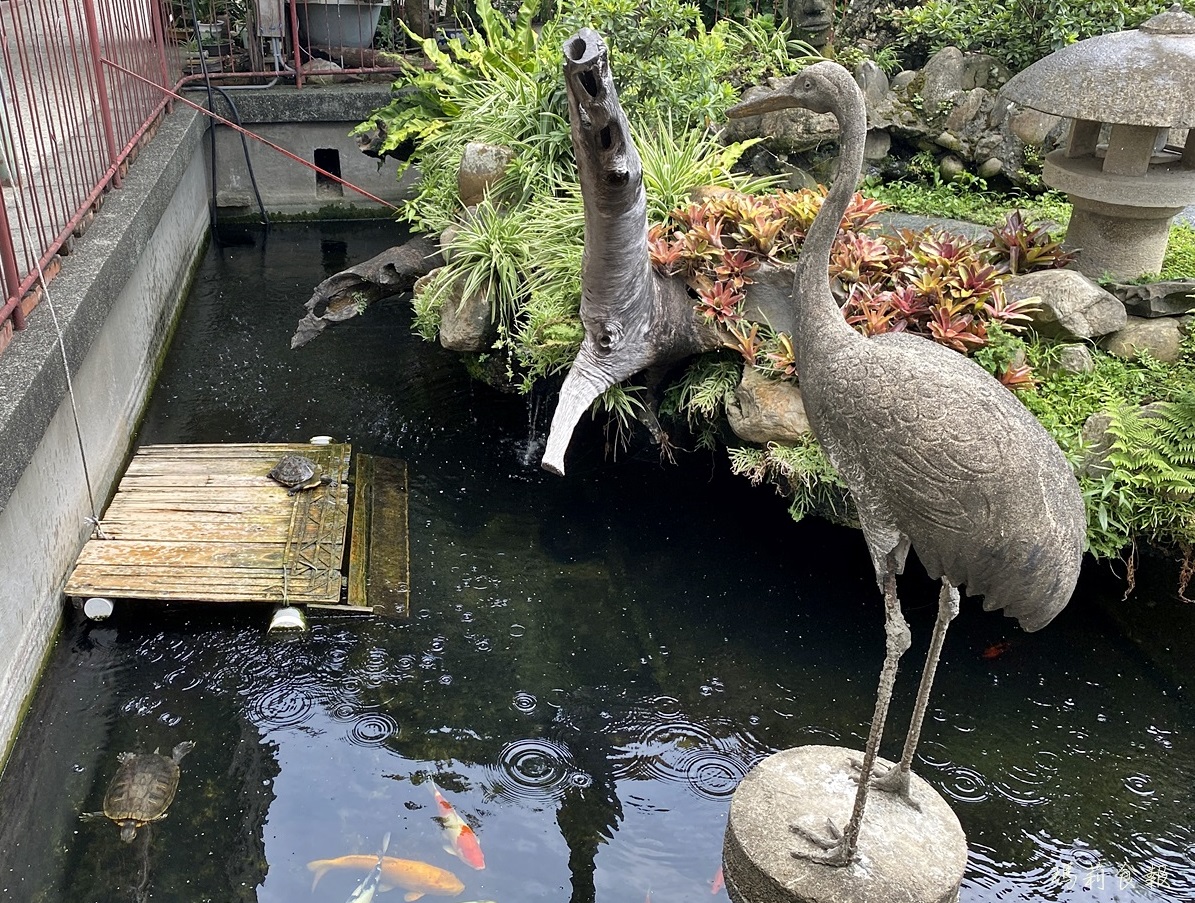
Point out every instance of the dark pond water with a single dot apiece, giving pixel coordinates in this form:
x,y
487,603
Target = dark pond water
x,y
592,664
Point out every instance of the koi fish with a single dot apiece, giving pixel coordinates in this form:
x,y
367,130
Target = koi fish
x,y
996,649
459,839
416,878
719,881
369,884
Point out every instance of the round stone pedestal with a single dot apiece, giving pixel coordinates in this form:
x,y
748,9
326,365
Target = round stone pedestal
x,y
905,855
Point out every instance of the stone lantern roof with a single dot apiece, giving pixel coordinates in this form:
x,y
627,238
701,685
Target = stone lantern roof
x,y
1144,76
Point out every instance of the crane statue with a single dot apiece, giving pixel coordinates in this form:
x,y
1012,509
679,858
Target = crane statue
x,y
938,456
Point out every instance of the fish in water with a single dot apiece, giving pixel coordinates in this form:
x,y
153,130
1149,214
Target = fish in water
x,y
459,839
996,649
719,881
416,878
369,884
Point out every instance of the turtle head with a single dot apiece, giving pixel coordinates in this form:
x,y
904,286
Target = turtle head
x,y
128,830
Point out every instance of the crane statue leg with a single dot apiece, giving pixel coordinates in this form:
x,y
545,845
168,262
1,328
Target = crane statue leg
x,y
838,846
896,779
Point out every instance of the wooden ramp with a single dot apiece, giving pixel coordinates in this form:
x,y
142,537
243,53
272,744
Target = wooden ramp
x,y
204,523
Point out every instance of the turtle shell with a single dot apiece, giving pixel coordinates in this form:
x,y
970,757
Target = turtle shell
x,y
295,472
143,788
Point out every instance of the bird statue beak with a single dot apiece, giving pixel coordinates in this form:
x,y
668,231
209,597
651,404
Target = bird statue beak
x,y
767,100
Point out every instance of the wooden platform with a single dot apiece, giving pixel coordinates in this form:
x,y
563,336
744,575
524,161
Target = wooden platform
x,y
204,523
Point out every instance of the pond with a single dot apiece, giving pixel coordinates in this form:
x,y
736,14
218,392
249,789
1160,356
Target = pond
x,y
592,663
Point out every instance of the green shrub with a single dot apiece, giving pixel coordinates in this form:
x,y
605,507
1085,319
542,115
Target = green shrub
x,y
1018,33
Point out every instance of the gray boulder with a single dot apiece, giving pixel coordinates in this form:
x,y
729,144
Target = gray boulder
x,y
1072,306
1157,299
767,410
481,166
466,324
1161,338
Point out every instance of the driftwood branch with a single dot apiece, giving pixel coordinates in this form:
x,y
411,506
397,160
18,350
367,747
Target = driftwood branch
x,y
349,292
633,318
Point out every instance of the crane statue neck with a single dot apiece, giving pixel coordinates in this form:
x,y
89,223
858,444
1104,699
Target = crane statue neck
x,y
817,309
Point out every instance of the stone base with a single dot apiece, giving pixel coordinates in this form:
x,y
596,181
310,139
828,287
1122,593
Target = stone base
x,y
906,855
1114,245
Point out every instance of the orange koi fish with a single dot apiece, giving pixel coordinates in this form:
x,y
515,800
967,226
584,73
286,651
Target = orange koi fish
x,y
996,649
416,878
459,839
719,881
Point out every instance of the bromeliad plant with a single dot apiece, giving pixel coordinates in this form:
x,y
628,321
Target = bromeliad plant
x,y
942,286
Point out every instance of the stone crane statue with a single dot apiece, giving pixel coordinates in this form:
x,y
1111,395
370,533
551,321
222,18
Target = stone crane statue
x,y
938,456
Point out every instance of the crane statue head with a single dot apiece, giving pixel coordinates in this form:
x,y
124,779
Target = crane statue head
x,y
824,87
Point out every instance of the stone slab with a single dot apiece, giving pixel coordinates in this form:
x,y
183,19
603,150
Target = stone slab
x,y
904,854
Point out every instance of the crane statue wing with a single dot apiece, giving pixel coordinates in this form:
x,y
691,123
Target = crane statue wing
x,y
976,498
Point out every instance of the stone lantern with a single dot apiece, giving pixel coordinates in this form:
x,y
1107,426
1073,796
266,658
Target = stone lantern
x,y
1125,94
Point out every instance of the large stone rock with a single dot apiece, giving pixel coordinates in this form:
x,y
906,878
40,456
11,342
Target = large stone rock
x,y
767,410
769,297
481,166
466,324
1161,338
1157,299
1072,306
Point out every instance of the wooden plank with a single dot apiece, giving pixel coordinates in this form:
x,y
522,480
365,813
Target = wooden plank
x,y
134,554
363,478
379,550
233,529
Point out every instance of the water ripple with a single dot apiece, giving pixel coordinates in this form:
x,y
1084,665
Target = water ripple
x,y
964,785
536,769
372,729
281,707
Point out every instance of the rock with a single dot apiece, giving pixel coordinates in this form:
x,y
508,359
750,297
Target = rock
x,y
768,297
951,167
466,323
873,83
1075,359
323,72
1161,338
1072,306
767,410
481,166
942,79
446,239
1096,445
948,141
966,109
1097,440
1031,126
902,80
991,167
877,145
1157,299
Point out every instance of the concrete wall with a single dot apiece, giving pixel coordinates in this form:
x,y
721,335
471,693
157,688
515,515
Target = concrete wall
x,y
116,298
302,122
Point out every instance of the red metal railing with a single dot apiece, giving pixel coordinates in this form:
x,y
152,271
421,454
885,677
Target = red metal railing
x,y
81,90
68,125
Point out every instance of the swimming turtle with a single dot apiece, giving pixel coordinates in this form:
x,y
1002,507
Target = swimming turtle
x,y
296,473
142,789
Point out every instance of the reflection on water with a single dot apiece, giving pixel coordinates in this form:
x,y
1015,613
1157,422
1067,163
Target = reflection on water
x,y
591,666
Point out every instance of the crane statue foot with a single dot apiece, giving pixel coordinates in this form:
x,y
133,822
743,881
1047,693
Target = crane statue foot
x,y
833,844
893,779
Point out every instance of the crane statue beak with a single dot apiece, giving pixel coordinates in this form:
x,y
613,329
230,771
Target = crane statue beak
x,y
760,100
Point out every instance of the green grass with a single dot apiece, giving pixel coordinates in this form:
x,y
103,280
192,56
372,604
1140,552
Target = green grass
x,y
970,201
1179,262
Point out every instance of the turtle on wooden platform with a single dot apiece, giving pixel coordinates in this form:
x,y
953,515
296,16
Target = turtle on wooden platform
x,y
296,473
142,789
